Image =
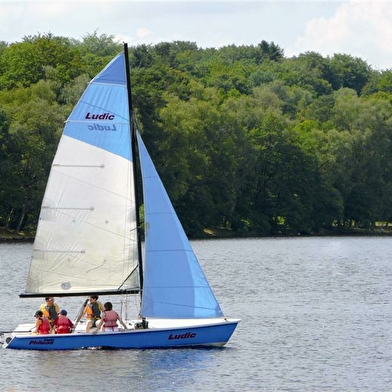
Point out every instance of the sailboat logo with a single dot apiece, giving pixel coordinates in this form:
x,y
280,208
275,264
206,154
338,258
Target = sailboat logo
x,y
102,116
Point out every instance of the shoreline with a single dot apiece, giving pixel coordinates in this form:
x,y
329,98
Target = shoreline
x,y
216,233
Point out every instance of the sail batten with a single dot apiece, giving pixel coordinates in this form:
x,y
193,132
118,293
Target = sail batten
x,y
69,208
101,166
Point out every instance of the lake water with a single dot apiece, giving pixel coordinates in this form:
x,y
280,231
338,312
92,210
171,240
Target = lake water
x,y
316,316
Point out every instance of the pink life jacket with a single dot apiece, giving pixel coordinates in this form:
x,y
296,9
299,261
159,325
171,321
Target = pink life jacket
x,y
110,319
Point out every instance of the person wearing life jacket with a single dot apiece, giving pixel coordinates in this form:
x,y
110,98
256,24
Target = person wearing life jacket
x,y
62,324
109,319
42,325
50,309
93,312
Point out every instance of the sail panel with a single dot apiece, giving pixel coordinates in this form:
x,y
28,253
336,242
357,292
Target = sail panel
x,y
102,122
86,237
113,73
101,117
174,284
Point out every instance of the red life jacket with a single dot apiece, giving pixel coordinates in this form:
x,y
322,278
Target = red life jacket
x,y
63,324
44,327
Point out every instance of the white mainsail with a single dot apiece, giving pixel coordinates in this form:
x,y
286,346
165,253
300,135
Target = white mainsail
x,y
86,239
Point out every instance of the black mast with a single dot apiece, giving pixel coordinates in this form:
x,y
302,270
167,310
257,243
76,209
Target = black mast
x,y
135,167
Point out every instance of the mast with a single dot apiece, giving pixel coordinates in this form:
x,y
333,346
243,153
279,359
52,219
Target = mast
x,y
135,169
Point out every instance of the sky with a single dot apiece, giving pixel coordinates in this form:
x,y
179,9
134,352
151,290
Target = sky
x,y
355,27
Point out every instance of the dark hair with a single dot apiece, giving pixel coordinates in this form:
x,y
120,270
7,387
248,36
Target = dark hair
x,y
38,313
108,306
63,312
94,296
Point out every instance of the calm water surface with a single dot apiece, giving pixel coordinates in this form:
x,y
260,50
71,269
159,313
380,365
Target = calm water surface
x,y
316,316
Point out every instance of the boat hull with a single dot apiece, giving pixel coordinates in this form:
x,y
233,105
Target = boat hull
x,y
198,335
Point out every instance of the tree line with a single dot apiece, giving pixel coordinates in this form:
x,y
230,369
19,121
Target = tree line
x,y
244,138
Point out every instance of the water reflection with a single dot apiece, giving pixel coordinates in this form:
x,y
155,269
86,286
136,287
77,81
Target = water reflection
x,y
149,370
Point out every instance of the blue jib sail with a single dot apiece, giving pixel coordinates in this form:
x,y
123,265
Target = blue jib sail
x,y
174,283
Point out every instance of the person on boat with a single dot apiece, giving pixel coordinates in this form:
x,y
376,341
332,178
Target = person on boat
x,y
42,325
62,324
93,312
109,319
50,309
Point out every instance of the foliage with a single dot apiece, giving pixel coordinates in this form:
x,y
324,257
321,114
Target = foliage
x,y
244,138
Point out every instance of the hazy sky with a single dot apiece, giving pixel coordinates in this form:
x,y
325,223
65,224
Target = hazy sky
x,y
356,27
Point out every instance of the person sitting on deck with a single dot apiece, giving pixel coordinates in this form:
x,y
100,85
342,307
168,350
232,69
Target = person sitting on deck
x,y
50,309
109,319
62,324
42,325
93,312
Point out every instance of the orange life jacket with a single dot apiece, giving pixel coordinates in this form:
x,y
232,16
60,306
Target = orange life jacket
x,y
50,312
93,311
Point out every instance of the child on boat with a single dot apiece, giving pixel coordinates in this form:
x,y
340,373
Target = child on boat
x,y
62,324
50,309
109,320
42,325
93,312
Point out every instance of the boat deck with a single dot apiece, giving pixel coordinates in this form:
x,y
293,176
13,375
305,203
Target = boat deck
x,y
158,324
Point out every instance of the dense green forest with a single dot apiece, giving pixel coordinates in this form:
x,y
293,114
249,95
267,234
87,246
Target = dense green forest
x,y
244,138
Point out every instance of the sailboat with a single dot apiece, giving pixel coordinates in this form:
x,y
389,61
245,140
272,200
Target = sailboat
x,y
88,239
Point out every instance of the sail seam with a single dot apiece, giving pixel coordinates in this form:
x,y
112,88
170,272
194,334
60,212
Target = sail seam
x,y
121,196
100,227
125,122
107,84
69,208
170,250
101,166
59,251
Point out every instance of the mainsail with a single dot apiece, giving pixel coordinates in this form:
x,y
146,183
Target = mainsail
x,y
86,240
